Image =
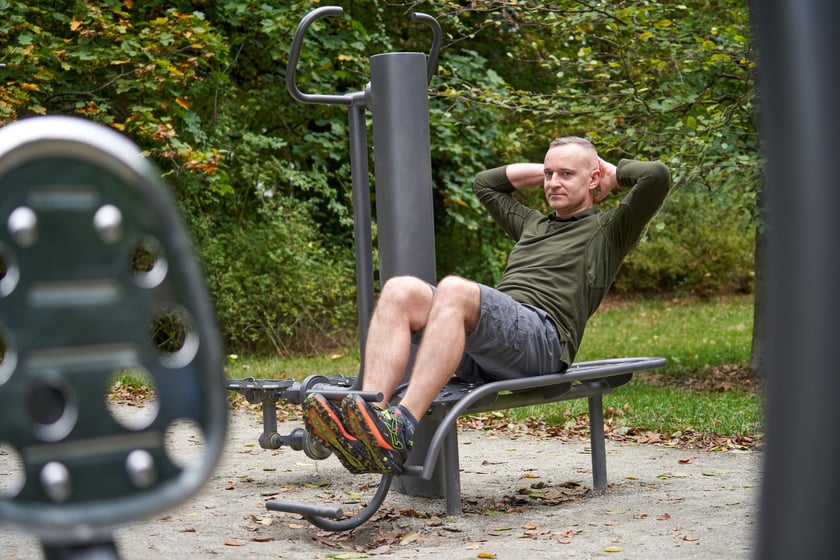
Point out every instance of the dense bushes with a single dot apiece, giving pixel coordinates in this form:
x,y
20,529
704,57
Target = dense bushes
x,y
277,286
696,246
265,181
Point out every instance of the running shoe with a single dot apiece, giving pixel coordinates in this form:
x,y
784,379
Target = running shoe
x,y
324,424
382,431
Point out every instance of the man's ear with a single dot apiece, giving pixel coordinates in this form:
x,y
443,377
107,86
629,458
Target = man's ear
x,y
595,179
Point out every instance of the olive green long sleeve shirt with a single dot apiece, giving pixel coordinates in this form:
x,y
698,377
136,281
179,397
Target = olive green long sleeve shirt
x,y
565,266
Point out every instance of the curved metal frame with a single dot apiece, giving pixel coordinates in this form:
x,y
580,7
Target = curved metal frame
x,y
331,99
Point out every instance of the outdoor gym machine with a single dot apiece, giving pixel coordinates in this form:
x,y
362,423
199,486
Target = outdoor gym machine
x,y
398,100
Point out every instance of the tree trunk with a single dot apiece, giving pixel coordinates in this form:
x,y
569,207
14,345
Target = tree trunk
x,y
759,346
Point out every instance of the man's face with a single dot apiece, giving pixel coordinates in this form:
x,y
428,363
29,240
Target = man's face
x,y
571,176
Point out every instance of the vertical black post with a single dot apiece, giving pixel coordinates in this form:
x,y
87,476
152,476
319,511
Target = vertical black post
x,y
597,443
403,165
799,79
404,211
361,218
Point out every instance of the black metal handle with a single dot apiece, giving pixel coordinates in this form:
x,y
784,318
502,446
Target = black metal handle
x,y
294,56
437,39
327,99
330,519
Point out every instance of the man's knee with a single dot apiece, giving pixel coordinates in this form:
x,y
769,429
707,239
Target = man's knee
x,y
456,293
405,292
457,288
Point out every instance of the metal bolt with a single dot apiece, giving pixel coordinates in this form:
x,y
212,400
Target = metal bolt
x,y
141,468
55,479
23,225
108,223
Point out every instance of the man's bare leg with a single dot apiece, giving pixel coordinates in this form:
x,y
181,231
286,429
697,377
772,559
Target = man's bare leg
x,y
455,310
403,308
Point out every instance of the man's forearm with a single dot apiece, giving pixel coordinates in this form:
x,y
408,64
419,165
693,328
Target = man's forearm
x,y
525,175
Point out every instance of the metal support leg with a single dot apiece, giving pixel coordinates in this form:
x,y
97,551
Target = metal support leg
x,y
106,550
452,473
596,442
436,487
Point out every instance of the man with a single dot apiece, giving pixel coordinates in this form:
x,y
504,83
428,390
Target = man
x,y
530,324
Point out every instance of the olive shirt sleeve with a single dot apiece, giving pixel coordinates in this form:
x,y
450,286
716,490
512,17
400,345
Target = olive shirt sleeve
x,y
495,192
651,182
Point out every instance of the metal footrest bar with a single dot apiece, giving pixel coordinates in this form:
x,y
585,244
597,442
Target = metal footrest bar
x,y
329,519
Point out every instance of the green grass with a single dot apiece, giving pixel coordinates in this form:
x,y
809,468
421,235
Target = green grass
x,y
345,362
690,334
695,336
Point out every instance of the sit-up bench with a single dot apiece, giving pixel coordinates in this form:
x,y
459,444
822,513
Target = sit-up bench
x,y
436,453
590,380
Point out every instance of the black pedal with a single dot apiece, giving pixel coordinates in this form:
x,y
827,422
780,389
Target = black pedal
x,y
99,279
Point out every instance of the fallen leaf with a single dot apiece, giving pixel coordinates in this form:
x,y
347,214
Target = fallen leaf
x,y
232,542
690,538
486,555
613,549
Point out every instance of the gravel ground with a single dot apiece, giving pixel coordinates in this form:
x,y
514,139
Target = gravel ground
x,y
523,497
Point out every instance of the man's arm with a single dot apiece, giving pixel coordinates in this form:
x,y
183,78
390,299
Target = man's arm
x,y
494,188
650,182
525,175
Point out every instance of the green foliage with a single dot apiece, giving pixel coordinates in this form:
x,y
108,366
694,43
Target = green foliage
x,y
200,86
277,287
133,67
645,80
674,254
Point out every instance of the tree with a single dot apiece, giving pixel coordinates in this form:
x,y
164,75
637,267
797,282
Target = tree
x,y
265,181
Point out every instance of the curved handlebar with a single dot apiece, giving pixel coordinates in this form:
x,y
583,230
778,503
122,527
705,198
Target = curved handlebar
x,y
294,56
437,36
297,43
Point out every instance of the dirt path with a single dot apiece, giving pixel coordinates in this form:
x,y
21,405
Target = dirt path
x,y
524,497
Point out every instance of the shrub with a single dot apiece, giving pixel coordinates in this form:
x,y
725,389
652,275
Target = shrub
x,y
699,244
278,288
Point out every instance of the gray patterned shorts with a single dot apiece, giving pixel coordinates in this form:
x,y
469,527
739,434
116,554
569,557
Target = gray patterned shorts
x,y
511,340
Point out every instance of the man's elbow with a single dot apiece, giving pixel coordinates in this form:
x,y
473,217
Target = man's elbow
x,y
661,173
